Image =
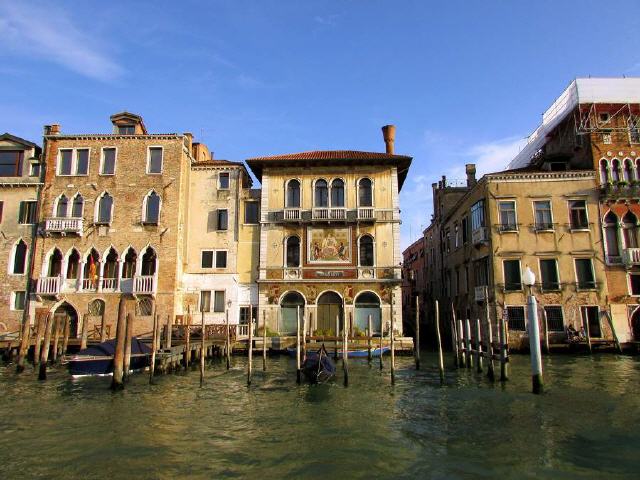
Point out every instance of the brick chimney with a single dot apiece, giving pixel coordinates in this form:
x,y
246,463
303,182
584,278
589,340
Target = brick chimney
x,y
389,135
53,129
471,174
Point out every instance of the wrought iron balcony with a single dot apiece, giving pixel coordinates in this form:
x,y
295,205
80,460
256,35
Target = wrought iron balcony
x,y
63,226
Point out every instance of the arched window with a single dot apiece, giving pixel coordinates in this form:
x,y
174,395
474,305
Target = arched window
x,y
91,268
61,206
129,267
293,252
55,263
105,208
365,194
152,208
366,251
615,170
73,265
111,264
293,194
630,230
638,169
604,171
628,171
149,262
78,206
321,194
337,193
612,237
19,258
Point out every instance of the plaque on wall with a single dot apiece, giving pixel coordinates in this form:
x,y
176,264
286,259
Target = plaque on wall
x,y
329,245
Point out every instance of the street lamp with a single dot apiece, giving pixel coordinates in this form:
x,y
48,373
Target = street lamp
x,y
529,279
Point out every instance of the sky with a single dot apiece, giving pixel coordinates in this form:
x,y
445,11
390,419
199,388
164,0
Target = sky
x,y
463,81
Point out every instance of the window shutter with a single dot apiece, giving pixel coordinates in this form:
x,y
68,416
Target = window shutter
x,y
211,221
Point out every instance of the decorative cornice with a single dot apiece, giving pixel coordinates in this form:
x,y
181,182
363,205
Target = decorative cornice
x,y
544,176
111,136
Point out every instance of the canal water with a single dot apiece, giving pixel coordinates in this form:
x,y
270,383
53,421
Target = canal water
x,y
587,425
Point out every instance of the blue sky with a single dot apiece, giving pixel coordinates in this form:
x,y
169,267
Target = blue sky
x,y
463,81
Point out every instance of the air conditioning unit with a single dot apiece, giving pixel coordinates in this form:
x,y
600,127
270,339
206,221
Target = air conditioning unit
x,y
479,235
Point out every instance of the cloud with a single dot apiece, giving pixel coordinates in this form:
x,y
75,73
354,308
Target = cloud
x,y
491,156
327,20
48,33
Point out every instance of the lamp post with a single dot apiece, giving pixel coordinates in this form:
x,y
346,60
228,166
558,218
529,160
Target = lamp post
x,y
529,278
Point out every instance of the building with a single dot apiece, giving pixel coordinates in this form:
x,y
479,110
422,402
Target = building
x,y
330,238
20,184
414,283
112,223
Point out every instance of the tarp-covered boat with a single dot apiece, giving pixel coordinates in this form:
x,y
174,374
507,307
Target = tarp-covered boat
x,y
98,359
318,366
360,353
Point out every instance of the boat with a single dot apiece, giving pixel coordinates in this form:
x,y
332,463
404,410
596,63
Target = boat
x,y
98,359
318,366
360,353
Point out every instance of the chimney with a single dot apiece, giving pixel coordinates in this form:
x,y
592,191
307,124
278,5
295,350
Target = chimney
x,y
471,174
53,129
389,135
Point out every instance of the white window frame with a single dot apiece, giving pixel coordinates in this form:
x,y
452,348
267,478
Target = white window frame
x,y
229,177
285,245
35,220
373,197
344,192
535,219
313,193
286,192
115,162
244,217
586,209
593,272
515,213
12,259
144,208
540,260
218,229
149,159
96,209
70,209
12,307
200,301
74,162
224,302
55,206
525,315
215,259
629,275
561,311
504,276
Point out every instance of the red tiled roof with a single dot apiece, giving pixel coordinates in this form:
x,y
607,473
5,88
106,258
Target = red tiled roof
x,y
331,155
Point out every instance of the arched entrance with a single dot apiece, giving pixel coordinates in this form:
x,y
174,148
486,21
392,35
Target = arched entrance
x,y
329,307
64,313
289,311
368,303
635,325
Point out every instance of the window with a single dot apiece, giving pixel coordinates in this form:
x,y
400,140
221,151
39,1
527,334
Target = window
x,y
507,216
10,163
19,258
365,193
218,301
612,237
27,212
543,218
247,314
223,181
251,212
337,193
108,166
578,214
205,301
604,171
627,172
366,251
293,194
34,169
555,320
321,194
61,207
129,266
465,230
477,215
634,129
549,274
110,268
1,209
73,265
221,259
149,262
591,316
223,219
481,272
77,207
293,252
126,129
515,318
19,300
73,161
206,260
634,284
512,276
152,208
105,207
615,170
630,230
456,235
584,273
155,160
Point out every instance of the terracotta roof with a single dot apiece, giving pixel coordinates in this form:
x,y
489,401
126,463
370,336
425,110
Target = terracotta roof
x,y
332,158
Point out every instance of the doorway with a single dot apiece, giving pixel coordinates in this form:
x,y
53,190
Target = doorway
x,y
289,313
592,316
368,303
66,313
330,308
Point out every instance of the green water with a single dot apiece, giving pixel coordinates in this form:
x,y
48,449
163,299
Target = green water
x,y
587,425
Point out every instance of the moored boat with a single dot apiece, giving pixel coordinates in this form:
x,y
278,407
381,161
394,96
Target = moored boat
x,y
318,366
359,353
98,359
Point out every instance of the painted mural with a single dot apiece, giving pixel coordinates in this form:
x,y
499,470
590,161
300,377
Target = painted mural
x,y
329,245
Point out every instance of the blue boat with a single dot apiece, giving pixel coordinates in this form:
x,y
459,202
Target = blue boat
x,y
98,359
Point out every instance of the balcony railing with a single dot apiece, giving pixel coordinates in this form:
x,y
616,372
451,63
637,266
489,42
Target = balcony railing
x,y
329,213
89,285
292,214
366,213
479,293
63,226
631,256
144,284
49,285
109,284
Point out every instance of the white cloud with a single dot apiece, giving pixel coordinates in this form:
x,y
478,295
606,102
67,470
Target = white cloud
x,y
46,32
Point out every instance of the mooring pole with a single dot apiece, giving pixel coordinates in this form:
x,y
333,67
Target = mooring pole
x,y
534,344
463,349
440,357
103,328
187,339
202,347
65,336
504,369
41,325
126,366
468,343
250,347
85,331
264,341
345,355
118,357
416,347
298,344
167,340
335,350
381,341
56,339
154,347
478,347
392,339
585,323
490,366
369,334
24,343
454,336
44,356
228,348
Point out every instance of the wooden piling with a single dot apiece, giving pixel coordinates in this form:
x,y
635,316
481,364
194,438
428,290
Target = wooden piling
x,y
202,340
167,339
65,337
613,331
490,367
585,322
154,348
440,357
345,355
264,341
103,328
545,331
454,336
56,339
504,368
392,340
478,347
41,325
335,350
228,347
298,372
118,357
24,344
126,366
85,331
369,335
416,347
462,361
250,349
468,343
304,338
381,342
44,356
187,339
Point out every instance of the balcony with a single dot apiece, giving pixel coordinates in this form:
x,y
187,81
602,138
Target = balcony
x,y
63,226
49,285
329,214
109,284
366,214
144,285
479,235
631,257
89,285
292,214
479,293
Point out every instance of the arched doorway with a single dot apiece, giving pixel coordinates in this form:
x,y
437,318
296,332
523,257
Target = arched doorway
x,y
368,303
64,313
288,312
329,307
635,325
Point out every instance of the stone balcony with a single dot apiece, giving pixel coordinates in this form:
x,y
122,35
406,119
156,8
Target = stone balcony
x,y
63,226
